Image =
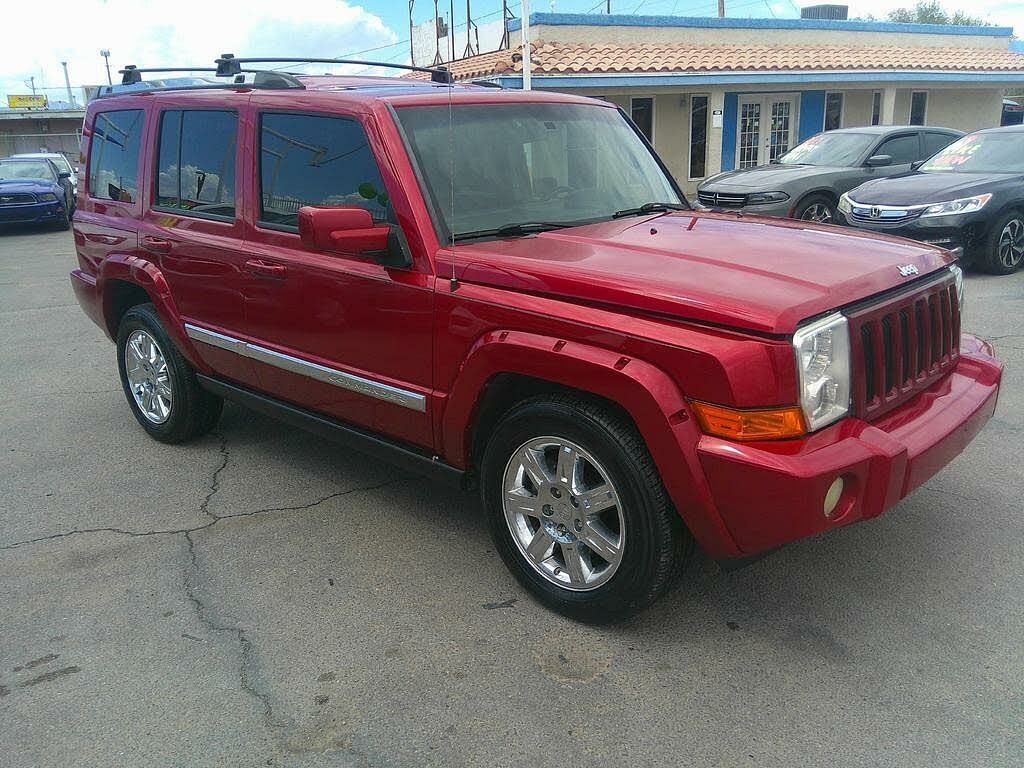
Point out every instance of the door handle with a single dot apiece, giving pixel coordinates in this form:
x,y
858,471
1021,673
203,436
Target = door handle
x,y
262,268
156,244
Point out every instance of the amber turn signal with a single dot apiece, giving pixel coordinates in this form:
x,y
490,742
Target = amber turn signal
x,y
736,424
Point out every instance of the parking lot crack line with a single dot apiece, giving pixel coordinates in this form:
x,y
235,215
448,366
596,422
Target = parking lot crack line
x,y
225,455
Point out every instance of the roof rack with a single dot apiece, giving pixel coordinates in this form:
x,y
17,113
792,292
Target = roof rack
x,y
132,75
228,64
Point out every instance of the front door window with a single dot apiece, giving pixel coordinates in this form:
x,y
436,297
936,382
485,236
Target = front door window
x,y
762,141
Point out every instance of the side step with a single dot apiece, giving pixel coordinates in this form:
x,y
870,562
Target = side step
x,y
354,437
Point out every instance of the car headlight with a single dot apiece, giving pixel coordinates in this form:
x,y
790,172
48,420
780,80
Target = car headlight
x,y
823,364
953,207
958,275
755,198
844,203
47,197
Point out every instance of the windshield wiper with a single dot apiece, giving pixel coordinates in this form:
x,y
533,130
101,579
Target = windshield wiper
x,y
513,230
650,208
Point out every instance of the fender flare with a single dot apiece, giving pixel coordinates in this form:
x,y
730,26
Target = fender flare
x,y
649,395
124,267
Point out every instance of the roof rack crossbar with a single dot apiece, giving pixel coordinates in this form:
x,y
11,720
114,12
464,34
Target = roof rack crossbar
x,y
228,64
132,75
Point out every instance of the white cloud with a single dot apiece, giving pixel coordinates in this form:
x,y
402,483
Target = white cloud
x,y
179,33
1002,13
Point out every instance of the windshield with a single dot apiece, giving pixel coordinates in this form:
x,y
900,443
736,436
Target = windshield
x,y
829,149
526,163
981,153
25,169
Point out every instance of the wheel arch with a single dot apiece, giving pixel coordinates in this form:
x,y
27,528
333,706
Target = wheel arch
x,y
820,191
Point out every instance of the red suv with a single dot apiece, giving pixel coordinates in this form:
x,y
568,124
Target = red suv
x,y
507,289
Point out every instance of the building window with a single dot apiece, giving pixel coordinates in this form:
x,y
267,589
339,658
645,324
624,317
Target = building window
x,y
114,155
918,107
316,160
833,110
876,108
196,162
698,136
642,112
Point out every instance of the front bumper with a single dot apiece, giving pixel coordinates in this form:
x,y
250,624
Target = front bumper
x,y
959,234
771,493
35,213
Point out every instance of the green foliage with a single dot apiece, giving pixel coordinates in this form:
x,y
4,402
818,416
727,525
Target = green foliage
x,y
931,12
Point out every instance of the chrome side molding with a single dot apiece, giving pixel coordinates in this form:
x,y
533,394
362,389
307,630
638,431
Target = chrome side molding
x,y
389,394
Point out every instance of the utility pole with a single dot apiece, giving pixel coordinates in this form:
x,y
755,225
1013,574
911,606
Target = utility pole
x,y
451,29
721,8
526,44
31,83
412,50
106,60
608,6
67,84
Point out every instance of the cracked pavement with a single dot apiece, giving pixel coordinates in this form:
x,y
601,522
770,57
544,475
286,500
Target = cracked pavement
x,y
264,598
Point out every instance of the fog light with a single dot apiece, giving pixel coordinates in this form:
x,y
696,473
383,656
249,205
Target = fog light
x,y
835,492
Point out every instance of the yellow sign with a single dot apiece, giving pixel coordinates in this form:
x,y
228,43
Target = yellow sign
x,y
38,102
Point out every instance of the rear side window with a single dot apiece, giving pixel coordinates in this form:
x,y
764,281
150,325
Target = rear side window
x,y
903,149
933,142
114,155
316,160
196,162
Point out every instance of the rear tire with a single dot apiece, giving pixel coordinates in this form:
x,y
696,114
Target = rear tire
x,y
817,208
1003,251
159,384
597,543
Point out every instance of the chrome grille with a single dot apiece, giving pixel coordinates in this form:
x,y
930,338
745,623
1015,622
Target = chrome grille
x,y
903,345
721,199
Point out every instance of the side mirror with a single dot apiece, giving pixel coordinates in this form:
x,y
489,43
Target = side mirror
x,y
351,230
877,161
917,164
64,175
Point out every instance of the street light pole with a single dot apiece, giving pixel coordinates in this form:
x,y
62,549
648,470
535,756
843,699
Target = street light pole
x,y
525,29
67,84
106,60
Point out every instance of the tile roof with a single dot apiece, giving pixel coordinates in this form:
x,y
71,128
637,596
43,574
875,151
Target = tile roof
x,y
560,58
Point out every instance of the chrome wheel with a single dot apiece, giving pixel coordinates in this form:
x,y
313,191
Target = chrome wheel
x,y
819,212
564,513
1010,247
148,376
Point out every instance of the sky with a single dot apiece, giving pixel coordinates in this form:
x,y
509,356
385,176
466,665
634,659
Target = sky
x,y
148,33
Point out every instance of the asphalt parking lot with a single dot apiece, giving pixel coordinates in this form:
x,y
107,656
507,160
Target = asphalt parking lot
x,y
265,598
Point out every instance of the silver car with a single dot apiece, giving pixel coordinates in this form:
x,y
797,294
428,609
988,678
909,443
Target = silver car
x,y
806,182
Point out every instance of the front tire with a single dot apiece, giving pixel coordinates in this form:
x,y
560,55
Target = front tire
x,y
1003,251
578,511
159,384
817,208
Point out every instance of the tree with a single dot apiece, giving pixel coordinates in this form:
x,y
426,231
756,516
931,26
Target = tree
x,y
930,12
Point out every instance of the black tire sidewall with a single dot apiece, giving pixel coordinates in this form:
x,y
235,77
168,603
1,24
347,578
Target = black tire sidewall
x,y
628,588
991,262
144,317
810,200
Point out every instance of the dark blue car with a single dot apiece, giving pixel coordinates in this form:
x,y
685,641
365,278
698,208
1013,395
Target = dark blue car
x,y
32,191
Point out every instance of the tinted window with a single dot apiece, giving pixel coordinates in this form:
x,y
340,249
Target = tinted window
x,y
903,149
643,115
833,111
876,108
918,106
698,136
196,162
933,142
313,160
114,155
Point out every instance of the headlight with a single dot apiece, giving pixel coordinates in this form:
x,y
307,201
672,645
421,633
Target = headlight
x,y
756,198
47,197
823,364
958,275
953,207
844,203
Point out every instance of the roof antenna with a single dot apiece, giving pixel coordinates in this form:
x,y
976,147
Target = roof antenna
x,y
453,283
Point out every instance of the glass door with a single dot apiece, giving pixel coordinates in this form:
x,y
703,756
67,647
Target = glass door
x,y
760,141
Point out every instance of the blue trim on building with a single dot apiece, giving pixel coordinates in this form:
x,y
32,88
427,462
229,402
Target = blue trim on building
x,y
812,114
712,22
729,131
1017,46
790,79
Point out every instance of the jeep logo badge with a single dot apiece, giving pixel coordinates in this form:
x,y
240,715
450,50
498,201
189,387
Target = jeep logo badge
x,y
907,270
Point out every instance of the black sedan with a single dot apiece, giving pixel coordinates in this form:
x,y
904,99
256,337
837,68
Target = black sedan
x,y
968,198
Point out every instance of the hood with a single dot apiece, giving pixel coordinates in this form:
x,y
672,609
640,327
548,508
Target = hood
x,y
756,273
930,187
33,186
766,178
